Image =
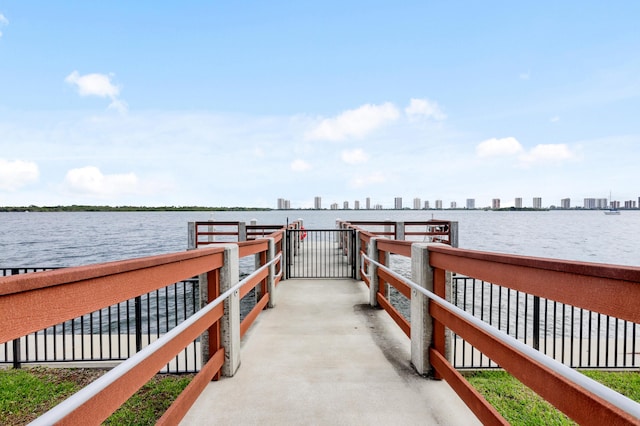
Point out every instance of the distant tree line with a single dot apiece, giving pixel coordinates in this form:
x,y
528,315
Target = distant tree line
x,y
87,208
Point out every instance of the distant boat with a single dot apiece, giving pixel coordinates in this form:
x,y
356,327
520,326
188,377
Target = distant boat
x,y
612,210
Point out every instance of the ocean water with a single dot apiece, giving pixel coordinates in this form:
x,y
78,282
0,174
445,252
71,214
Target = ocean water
x,y
79,238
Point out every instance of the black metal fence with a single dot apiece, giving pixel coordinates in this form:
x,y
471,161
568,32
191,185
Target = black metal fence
x,y
111,334
576,337
320,253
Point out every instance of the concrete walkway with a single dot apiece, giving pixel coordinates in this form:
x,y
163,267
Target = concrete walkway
x,y
323,356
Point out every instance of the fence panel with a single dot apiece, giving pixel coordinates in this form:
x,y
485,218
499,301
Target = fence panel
x,y
321,253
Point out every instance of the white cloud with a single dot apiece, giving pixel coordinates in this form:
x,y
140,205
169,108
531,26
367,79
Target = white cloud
x,y
119,106
547,153
354,156
90,180
354,122
424,108
16,174
300,166
98,85
3,21
362,181
498,147
512,149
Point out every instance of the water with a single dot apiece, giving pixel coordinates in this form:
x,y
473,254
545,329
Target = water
x,y
72,239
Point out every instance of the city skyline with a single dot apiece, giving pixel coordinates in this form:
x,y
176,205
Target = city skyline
x,y
470,203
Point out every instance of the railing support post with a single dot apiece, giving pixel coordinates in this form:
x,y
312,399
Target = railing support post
x,y
191,236
230,322
423,329
453,234
242,231
271,278
399,231
374,285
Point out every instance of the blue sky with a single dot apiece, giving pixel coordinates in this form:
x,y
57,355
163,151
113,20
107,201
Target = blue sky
x,y
183,103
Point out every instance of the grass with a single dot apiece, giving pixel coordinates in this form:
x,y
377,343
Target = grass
x,y
26,394
519,405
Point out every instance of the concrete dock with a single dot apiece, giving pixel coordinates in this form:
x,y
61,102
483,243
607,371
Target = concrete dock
x,y
323,356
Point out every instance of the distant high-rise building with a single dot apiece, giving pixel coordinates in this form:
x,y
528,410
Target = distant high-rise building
x,y
454,205
426,205
334,206
518,203
565,203
345,205
602,203
471,203
397,203
368,202
317,203
495,203
537,202
417,203
284,204
356,204
589,203
439,204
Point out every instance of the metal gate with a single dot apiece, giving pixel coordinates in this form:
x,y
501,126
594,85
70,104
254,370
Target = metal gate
x,y
321,253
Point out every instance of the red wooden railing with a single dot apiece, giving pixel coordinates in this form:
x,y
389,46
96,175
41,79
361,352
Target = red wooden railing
x,y
607,289
31,302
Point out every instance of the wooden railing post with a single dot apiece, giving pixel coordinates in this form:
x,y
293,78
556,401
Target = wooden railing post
x,y
399,235
425,331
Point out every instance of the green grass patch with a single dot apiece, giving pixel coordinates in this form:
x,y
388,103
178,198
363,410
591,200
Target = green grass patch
x,y
519,405
25,394
150,402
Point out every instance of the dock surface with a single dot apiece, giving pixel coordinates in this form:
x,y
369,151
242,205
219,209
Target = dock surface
x,y
323,356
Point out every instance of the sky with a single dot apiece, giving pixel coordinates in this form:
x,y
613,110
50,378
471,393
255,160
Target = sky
x,y
241,103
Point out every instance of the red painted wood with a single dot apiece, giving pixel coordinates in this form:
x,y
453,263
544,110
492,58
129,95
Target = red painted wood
x,y
576,402
251,316
105,402
185,400
397,284
484,411
599,288
395,315
31,302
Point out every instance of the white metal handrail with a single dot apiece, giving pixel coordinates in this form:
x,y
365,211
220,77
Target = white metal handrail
x,y
85,394
618,400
